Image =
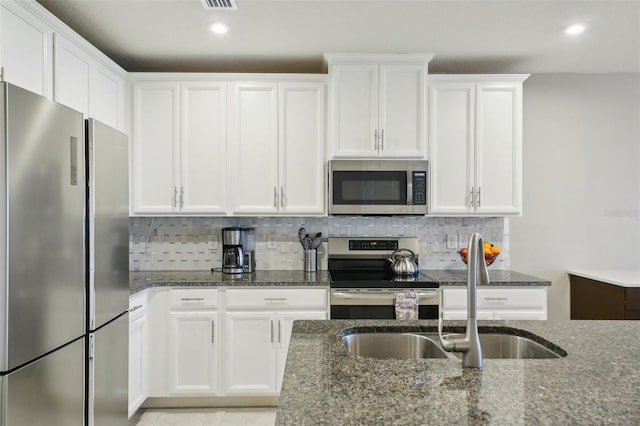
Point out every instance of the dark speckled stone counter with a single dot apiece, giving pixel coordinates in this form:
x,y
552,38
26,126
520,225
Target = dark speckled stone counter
x,y
139,281
496,278
597,382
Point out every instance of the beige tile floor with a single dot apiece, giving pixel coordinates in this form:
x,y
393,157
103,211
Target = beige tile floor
x,y
205,417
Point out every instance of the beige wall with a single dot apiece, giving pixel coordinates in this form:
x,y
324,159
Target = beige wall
x,y
581,179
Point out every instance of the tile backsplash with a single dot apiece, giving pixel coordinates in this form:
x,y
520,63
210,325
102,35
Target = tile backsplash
x,y
195,243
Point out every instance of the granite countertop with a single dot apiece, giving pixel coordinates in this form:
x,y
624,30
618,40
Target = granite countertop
x,y
597,382
497,278
619,277
139,280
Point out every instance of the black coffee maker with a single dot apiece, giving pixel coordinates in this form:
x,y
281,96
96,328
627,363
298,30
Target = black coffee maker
x,y
232,253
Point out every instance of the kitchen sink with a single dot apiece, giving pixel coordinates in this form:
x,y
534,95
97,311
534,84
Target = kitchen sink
x,y
393,345
427,345
507,346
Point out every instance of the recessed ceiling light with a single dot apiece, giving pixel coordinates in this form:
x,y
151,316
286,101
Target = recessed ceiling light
x,y
219,28
574,29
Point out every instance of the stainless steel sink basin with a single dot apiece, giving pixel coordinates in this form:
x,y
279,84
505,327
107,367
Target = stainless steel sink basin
x,y
393,345
507,346
427,345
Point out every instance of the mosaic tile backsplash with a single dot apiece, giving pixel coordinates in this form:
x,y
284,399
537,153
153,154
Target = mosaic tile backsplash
x,y
195,243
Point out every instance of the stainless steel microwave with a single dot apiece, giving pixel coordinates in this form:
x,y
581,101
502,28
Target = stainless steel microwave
x,y
378,187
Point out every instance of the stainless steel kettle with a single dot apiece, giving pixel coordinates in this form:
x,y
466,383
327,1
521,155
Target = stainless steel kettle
x,y
403,262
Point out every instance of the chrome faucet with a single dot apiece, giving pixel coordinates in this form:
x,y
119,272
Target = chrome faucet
x,y
477,272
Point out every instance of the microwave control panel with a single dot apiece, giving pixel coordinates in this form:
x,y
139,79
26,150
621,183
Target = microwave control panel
x,y
419,188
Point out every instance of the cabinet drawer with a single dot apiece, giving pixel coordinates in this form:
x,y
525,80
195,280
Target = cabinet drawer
x,y
277,298
193,298
497,298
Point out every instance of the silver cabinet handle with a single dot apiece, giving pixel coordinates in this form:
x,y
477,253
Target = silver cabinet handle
x,y
213,331
279,331
382,140
375,139
282,200
275,196
192,299
271,331
135,308
479,198
181,196
496,299
472,198
175,196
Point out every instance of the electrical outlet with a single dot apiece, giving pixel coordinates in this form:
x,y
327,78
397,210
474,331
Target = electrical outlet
x,y
452,241
272,243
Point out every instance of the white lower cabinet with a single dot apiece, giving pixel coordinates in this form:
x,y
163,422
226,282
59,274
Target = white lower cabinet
x,y
192,362
138,350
497,303
257,330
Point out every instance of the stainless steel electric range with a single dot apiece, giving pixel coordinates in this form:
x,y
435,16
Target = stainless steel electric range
x,y
363,285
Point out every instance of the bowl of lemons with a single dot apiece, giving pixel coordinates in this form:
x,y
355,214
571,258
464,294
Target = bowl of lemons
x,y
491,252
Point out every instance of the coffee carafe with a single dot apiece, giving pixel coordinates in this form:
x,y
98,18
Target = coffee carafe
x,y
232,252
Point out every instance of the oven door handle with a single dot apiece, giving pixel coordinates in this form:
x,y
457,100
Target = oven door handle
x,y
379,295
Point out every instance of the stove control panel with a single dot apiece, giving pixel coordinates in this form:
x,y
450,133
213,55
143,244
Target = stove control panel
x,y
373,244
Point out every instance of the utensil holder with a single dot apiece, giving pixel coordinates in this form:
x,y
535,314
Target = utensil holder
x,y
310,260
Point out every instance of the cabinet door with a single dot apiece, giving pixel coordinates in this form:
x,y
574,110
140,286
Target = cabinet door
x,y
254,160
156,132
193,364
26,49
285,323
250,349
302,147
107,97
72,77
401,111
203,148
137,364
498,148
354,103
451,110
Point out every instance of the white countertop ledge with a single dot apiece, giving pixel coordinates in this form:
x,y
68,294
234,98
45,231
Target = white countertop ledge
x,y
620,277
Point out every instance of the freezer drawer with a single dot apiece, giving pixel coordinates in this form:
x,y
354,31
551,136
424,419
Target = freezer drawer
x,y
109,374
47,392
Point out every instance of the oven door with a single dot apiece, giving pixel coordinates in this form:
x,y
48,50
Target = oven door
x,y
378,304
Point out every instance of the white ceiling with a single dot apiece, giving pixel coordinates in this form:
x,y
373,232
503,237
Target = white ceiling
x,y
516,36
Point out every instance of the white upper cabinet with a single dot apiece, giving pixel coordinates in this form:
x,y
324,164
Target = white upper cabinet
x,y
155,144
378,105
255,149
84,84
203,153
26,49
179,148
41,54
475,144
278,148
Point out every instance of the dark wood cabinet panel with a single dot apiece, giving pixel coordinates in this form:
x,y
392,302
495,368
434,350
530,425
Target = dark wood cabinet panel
x,y
596,300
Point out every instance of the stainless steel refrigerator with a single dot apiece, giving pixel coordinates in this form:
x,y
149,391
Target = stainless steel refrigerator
x,y
64,283
108,259
42,261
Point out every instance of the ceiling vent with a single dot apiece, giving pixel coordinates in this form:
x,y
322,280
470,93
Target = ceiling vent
x,y
220,4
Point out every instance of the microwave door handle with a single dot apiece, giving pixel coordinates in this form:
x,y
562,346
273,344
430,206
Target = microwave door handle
x,y
409,187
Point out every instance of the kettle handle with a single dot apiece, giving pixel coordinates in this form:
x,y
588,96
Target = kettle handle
x,y
396,253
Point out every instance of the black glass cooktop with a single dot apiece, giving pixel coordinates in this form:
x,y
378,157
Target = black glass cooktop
x,y
379,279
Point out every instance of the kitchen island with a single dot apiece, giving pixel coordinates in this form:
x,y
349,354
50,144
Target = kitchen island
x,y
597,382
